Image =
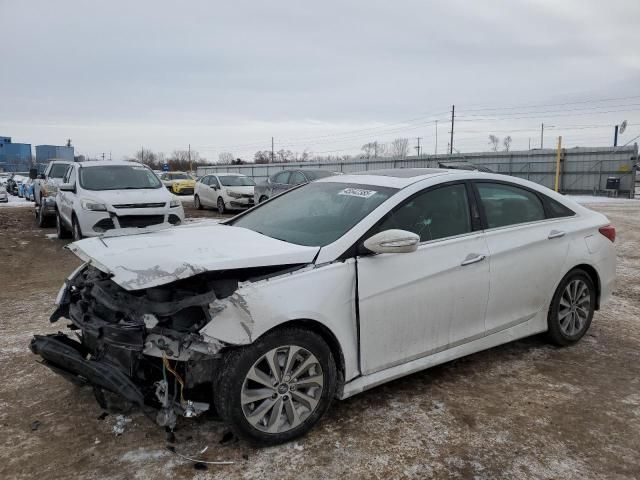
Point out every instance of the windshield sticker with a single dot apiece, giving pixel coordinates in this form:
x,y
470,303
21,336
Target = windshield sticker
x,y
357,192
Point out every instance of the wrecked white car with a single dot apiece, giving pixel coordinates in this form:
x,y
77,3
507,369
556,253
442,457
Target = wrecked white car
x,y
324,291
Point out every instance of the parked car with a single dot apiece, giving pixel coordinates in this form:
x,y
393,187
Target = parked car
x,y
45,189
286,179
4,196
4,177
21,183
180,183
27,189
14,182
327,290
95,197
224,191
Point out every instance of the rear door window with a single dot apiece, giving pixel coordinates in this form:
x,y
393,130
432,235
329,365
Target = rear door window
x,y
297,178
506,205
282,177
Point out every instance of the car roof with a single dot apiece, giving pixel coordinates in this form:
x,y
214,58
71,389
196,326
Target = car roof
x,y
228,174
103,163
391,177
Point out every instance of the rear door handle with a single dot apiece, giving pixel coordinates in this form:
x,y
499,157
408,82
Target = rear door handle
x,y
473,258
555,234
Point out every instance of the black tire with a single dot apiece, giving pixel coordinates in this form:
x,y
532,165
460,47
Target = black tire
x,y
61,230
569,318
41,218
196,202
228,386
263,198
75,229
221,207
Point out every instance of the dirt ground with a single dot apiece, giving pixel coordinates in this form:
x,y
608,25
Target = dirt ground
x,y
524,410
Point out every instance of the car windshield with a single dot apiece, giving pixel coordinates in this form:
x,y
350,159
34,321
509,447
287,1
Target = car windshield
x,y
118,177
180,176
58,170
315,214
236,181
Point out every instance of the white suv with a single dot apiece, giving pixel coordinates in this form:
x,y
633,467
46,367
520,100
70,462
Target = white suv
x,y
95,197
228,191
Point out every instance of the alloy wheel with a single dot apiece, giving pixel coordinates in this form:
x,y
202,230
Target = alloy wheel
x,y
281,389
574,308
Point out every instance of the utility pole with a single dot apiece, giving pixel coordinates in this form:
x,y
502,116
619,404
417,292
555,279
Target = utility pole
x,y
615,136
142,154
103,156
272,157
436,137
542,136
453,116
189,156
418,147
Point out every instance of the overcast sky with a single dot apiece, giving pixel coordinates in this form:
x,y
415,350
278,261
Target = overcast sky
x,y
326,76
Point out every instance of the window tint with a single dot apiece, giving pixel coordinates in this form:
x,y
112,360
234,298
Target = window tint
x,y
281,177
438,213
556,209
297,178
509,205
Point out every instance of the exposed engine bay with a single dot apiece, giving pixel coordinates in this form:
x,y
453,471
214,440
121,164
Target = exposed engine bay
x,y
143,348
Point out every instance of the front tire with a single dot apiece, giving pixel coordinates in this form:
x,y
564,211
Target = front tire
x,y
277,388
196,202
572,308
77,231
221,207
61,231
263,198
41,218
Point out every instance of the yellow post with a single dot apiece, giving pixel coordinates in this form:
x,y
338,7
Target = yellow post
x,y
558,163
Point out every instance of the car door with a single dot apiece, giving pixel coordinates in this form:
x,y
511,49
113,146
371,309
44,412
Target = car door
x,y
280,183
416,304
214,190
204,191
527,252
66,197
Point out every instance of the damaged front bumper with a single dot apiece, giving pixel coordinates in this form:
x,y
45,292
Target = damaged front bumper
x,y
138,349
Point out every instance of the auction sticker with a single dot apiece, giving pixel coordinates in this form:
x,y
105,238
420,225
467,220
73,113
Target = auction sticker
x,y
357,192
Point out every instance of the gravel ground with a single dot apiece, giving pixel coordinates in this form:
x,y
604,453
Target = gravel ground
x,y
524,410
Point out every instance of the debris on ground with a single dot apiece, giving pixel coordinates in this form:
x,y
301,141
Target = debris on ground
x,y
35,425
228,437
103,415
121,422
172,449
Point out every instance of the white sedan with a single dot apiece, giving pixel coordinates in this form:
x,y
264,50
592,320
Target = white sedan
x,y
327,290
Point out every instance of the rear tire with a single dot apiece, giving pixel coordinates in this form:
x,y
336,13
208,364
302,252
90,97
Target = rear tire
x,y
41,218
196,202
299,375
263,198
61,231
572,308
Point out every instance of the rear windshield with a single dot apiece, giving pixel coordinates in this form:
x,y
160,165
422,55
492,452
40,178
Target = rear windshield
x,y
236,181
314,175
315,214
118,177
180,176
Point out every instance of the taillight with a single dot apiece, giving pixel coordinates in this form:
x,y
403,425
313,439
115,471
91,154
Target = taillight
x,y
609,231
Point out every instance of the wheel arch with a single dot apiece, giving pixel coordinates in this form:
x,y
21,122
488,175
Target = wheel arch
x,y
593,275
326,334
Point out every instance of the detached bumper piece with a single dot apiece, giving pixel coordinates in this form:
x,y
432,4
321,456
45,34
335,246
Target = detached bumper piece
x,y
70,359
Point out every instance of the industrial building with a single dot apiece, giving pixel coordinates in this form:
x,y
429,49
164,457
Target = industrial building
x,y
46,153
14,157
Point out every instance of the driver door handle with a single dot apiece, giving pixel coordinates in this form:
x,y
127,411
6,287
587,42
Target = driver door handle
x,y
473,258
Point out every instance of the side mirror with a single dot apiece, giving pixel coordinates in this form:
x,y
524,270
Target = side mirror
x,y
33,173
393,241
67,187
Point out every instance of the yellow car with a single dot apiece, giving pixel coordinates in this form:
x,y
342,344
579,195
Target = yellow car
x,y
180,183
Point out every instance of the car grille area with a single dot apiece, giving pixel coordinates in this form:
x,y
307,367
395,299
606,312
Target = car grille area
x,y
140,221
141,205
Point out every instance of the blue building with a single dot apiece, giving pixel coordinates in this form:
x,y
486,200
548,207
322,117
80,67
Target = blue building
x,y
46,153
14,157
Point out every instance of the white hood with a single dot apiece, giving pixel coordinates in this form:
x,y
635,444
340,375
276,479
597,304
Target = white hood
x,y
156,258
142,195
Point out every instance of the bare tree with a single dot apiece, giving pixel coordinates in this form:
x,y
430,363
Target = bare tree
x,y
494,142
225,157
507,143
262,156
399,147
147,157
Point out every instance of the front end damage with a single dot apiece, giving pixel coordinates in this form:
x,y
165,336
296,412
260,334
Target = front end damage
x,y
140,348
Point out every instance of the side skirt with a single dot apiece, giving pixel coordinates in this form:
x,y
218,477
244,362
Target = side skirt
x,y
533,326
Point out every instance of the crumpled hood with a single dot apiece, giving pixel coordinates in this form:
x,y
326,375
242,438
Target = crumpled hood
x,y
156,258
